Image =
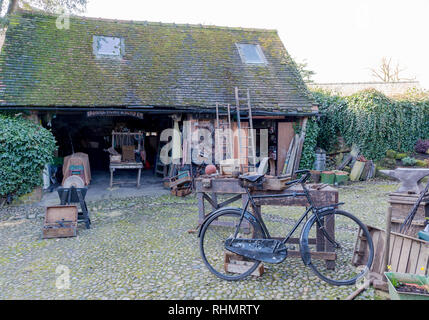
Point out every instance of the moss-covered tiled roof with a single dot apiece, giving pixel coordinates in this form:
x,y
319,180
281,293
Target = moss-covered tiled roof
x,y
164,65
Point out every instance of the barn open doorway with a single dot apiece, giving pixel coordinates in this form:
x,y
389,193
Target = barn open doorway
x,y
90,132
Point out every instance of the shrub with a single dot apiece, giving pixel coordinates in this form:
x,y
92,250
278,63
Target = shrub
x,y
422,146
391,154
407,161
400,156
422,163
25,148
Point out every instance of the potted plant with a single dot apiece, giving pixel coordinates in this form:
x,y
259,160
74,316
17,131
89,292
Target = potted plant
x,y
407,286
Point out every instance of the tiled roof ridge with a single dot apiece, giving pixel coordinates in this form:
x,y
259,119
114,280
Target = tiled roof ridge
x,y
361,82
36,12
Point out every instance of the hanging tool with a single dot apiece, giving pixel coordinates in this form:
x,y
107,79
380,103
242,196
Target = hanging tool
x,y
71,142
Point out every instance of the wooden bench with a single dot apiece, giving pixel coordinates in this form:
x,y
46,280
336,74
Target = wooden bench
x,y
208,188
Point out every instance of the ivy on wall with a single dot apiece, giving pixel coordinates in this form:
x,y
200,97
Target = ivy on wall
x,y
372,121
25,148
309,146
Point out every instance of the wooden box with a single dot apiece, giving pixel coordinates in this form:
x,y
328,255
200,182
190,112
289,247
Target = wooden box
x,y
235,263
228,166
115,158
128,154
60,222
275,183
181,192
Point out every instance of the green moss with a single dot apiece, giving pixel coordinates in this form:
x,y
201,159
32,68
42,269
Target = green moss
x,y
163,65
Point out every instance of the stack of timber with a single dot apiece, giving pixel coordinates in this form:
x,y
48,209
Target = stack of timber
x,y
293,156
361,168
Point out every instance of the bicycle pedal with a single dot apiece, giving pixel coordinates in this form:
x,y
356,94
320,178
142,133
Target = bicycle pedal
x,y
291,247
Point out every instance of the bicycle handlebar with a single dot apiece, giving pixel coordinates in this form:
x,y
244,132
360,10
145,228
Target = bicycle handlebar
x,y
303,179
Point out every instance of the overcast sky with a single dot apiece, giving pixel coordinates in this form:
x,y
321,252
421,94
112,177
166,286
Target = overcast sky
x,y
339,39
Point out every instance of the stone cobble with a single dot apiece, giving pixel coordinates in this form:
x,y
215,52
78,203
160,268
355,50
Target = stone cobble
x,y
140,248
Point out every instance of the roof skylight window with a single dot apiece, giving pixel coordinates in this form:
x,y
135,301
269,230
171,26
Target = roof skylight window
x,y
251,53
108,46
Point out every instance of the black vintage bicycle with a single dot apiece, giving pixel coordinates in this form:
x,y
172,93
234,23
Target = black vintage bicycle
x,y
237,231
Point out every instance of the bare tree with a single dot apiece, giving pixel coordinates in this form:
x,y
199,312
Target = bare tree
x,y
306,74
13,5
387,72
46,5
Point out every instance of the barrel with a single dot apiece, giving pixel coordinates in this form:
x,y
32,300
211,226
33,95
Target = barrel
x,y
320,162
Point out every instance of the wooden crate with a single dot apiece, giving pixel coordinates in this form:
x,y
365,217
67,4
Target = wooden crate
x,y
177,182
181,192
53,229
402,204
406,254
235,263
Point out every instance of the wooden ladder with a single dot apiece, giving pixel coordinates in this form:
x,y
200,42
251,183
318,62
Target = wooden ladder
x,y
160,168
247,152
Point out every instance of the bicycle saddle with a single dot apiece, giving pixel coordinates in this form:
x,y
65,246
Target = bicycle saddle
x,y
251,178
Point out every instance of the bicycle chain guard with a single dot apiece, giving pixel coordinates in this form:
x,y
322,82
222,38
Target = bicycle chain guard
x,y
264,250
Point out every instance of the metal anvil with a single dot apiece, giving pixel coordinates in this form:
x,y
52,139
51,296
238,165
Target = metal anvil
x,y
410,179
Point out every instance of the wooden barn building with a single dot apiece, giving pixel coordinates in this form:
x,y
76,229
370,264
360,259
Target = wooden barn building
x,y
91,76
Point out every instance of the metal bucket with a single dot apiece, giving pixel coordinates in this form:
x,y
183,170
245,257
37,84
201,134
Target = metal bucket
x,y
320,162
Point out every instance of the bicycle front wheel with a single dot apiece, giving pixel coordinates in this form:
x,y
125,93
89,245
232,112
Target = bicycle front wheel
x,y
343,254
224,264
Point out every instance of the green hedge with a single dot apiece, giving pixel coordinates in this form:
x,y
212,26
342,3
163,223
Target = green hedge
x,y
25,148
372,121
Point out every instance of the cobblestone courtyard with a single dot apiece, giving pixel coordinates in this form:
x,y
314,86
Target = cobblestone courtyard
x,y
140,248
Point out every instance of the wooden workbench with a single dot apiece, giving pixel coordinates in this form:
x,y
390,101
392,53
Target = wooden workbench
x,y
326,196
125,165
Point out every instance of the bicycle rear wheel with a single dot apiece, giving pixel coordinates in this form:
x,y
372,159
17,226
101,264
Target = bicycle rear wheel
x,y
212,244
350,236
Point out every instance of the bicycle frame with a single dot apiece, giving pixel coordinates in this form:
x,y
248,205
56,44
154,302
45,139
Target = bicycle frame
x,y
305,193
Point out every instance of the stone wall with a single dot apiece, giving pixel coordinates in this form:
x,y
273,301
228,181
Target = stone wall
x,y
348,88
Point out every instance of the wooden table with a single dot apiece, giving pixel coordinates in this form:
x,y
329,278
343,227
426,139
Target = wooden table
x,y
208,188
125,165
